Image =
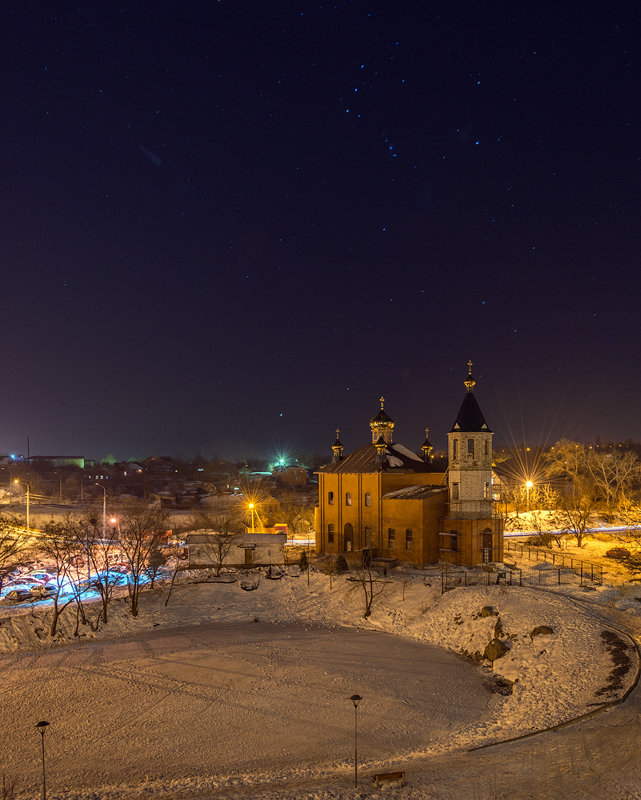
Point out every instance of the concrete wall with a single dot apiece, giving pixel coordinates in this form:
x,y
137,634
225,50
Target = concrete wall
x,y
251,549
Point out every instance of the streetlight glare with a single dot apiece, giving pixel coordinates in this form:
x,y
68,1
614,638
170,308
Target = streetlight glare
x,y
529,484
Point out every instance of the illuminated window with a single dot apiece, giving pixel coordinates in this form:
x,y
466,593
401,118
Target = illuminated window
x,y
330,498
391,537
348,498
330,533
368,499
470,447
408,539
455,491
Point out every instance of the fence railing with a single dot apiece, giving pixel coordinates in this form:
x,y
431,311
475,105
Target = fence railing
x,y
550,576
584,569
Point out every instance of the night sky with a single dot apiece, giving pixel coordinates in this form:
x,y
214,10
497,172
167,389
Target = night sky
x,y
229,227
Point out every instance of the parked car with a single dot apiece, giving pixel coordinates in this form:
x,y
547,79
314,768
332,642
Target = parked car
x,y
40,575
50,588
26,580
44,590
18,593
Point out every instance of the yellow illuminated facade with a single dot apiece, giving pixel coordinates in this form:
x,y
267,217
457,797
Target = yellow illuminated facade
x,y
386,499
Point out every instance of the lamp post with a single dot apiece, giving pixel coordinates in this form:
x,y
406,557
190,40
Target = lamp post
x,y
28,491
104,510
42,727
251,506
528,486
356,699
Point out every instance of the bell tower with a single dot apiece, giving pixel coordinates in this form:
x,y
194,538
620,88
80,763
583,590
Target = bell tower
x,y
470,459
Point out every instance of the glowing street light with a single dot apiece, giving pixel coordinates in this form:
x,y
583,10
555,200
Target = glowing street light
x,y
356,699
251,508
42,727
528,486
28,492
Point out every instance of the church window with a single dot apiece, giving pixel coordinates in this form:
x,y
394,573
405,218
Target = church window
x,y
408,539
330,533
455,493
391,538
487,449
330,498
455,449
348,498
470,447
368,499
486,490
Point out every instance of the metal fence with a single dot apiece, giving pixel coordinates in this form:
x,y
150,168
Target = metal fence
x,y
543,576
585,570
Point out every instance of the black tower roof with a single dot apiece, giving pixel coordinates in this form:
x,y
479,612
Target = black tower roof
x,y
470,417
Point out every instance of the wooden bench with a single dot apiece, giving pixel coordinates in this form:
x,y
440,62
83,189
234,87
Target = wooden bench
x,y
389,777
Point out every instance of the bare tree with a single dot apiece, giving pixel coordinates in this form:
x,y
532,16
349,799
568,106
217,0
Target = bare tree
x,y
13,551
59,545
223,535
156,560
298,516
99,554
142,528
371,584
576,502
613,472
576,508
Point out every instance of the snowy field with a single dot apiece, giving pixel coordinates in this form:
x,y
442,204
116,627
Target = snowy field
x,y
225,693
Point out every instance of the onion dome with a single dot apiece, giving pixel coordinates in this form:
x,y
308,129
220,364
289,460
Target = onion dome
x,y
469,382
337,448
382,425
426,447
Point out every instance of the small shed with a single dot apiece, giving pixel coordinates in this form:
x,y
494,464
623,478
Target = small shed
x,y
247,549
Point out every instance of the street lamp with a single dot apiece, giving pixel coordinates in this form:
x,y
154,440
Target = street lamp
x,y
104,510
28,491
528,486
42,727
356,699
251,506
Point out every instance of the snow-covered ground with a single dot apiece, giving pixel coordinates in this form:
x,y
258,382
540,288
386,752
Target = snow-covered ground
x,y
245,694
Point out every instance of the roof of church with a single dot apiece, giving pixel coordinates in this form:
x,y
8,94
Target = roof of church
x,y
413,492
395,459
382,416
470,417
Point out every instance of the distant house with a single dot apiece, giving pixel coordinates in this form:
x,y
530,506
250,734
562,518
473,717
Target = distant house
x,y
158,465
248,549
290,476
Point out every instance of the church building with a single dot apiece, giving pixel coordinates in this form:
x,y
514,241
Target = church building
x,y
388,502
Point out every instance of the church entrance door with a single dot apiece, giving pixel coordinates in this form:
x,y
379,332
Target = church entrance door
x,y
348,537
486,546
